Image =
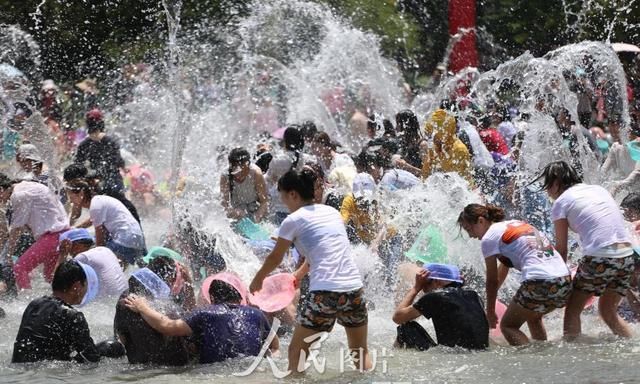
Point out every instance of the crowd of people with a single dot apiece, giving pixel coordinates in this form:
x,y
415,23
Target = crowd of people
x,y
181,302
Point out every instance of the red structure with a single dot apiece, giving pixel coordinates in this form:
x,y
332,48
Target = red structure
x,y
462,15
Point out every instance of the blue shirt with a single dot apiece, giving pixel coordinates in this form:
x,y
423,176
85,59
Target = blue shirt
x,y
225,331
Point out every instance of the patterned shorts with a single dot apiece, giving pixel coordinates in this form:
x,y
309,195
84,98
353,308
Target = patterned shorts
x,y
543,296
323,308
596,274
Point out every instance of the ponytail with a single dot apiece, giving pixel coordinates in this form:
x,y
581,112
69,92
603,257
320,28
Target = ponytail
x,y
473,212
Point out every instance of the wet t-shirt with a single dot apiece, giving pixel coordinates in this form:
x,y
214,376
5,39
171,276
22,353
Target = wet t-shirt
x,y
53,330
143,344
458,317
225,331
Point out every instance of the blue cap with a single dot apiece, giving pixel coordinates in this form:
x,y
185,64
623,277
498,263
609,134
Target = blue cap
x,y
445,272
93,284
76,234
153,283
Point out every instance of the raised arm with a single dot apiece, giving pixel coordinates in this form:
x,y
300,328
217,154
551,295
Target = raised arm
x,y
155,319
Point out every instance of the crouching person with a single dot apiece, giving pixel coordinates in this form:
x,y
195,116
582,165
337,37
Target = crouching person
x,y
142,343
51,329
457,313
222,331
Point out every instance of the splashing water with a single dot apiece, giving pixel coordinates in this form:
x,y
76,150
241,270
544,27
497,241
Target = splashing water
x,y
292,61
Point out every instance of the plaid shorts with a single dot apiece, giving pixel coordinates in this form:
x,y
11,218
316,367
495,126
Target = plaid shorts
x,y
322,309
596,274
543,296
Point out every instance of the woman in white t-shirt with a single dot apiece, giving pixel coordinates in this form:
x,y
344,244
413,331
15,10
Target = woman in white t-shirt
x,y
115,227
336,290
546,280
606,266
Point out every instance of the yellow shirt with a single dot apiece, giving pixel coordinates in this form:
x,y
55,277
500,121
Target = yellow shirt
x,y
366,225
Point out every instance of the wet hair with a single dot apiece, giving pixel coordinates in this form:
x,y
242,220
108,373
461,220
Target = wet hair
x,y
294,141
472,212
238,155
631,202
323,139
308,130
388,128
95,125
407,121
221,292
302,182
365,159
75,171
67,274
82,186
559,171
316,168
165,268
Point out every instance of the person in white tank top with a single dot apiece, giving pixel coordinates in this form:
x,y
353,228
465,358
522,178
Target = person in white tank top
x,y
243,189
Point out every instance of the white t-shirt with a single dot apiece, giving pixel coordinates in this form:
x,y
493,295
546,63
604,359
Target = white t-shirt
x,y
593,215
398,179
112,279
279,165
116,218
37,207
526,249
319,234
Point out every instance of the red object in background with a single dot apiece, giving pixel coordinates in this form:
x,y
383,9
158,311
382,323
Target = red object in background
x,y
462,14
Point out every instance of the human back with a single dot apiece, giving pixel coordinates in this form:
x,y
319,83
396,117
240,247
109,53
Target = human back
x,y
318,233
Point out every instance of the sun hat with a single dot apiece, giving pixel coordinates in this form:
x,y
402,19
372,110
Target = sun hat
x,y
93,284
29,152
634,149
277,292
446,272
227,277
161,251
76,234
363,186
153,283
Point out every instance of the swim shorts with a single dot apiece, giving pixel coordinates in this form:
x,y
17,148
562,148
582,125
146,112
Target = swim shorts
x,y
543,296
323,308
596,274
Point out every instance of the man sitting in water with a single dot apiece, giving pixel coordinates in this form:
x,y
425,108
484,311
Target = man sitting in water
x,y
78,243
143,344
51,329
223,330
457,313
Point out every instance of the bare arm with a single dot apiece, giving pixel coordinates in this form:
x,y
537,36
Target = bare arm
x,y
224,191
155,319
562,237
14,235
492,285
405,311
101,235
270,263
261,191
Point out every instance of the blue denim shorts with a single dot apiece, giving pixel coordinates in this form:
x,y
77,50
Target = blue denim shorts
x,y
126,254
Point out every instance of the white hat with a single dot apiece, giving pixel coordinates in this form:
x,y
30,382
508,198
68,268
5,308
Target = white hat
x,y
29,152
48,85
363,186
